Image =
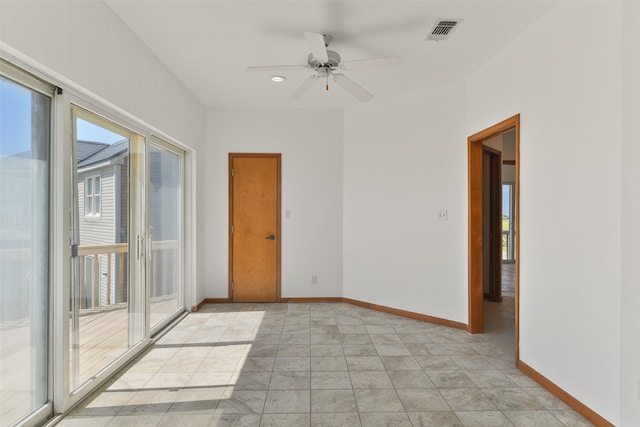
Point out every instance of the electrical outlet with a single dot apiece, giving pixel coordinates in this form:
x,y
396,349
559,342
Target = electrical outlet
x,y
443,215
314,279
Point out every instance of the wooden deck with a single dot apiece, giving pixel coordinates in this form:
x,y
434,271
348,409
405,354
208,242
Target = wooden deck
x,y
104,336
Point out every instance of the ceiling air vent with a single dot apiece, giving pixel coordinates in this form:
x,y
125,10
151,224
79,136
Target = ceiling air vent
x,y
443,29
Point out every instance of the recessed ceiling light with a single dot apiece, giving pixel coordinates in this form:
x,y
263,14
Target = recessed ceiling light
x,y
278,79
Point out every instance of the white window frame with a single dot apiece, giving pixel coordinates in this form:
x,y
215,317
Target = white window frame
x,y
31,81
93,213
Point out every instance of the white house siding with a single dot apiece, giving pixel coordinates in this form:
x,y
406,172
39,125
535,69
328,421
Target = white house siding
x,y
99,230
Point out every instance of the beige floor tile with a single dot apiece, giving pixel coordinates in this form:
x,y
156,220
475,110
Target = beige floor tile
x,y
467,399
326,350
512,399
284,380
225,419
191,420
328,363
377,400
483,419
434,419
532,419
287,401
392,349
370,379
489,378
364,363
546,399
168,380
359,350
285,420
337,380
335,419
385,419
146,420
332,401
95,421
285,350
570,418
421,400
410,379
242,402
435,363
449,378
400,363
251,380
292,363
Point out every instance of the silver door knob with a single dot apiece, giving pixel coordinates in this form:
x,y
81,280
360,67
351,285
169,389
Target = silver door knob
x,y
271,237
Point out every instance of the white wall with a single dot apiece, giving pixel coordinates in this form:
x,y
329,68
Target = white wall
x,y
87,44
404,160
563,76
630,308
310,141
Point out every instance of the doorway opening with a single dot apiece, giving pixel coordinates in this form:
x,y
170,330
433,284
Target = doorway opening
x,y
493,226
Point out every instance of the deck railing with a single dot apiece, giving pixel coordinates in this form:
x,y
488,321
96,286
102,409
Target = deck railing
x,y
114,273
107,282
104,282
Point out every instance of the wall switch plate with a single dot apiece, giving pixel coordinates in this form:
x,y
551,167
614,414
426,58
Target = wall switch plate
x,y
314,279
287,214
443,215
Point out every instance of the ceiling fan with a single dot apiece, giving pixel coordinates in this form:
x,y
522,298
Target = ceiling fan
x,y
325,63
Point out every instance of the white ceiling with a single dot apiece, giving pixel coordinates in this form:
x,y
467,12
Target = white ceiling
x,y
208,44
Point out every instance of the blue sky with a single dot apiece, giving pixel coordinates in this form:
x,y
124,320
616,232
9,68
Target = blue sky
x,y
15,118
87,131
15,121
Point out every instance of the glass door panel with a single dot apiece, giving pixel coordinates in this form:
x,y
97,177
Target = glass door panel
x,y
165,232
103,295
25,130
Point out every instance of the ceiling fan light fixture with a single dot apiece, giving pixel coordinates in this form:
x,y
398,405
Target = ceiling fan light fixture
x,y
278,79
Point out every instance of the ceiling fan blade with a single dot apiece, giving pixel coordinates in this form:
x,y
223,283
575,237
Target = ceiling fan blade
x,y
317,47
352,87
304,88
382,62
277,67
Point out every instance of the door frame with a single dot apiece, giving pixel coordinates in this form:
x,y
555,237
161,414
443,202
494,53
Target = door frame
x,y
278,158
475,220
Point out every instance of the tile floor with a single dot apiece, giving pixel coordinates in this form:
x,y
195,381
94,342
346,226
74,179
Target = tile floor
x,y
321,365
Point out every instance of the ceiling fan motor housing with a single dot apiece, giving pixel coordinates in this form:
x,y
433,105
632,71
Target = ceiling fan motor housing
x,y
333,62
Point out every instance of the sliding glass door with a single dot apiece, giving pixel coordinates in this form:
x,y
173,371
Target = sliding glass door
x,y
164,272
25,141
91,244
107,289
127,265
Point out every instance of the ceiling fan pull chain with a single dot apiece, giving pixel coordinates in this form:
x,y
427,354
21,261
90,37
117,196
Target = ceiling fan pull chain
x,y
327,82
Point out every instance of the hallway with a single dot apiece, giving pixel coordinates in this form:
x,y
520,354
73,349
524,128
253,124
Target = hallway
x,y
499,317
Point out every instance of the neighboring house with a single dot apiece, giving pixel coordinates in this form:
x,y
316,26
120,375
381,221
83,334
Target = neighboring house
x,y
103,206
103,199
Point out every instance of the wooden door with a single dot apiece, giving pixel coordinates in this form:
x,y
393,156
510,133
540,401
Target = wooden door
x,y
254,239
492,224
